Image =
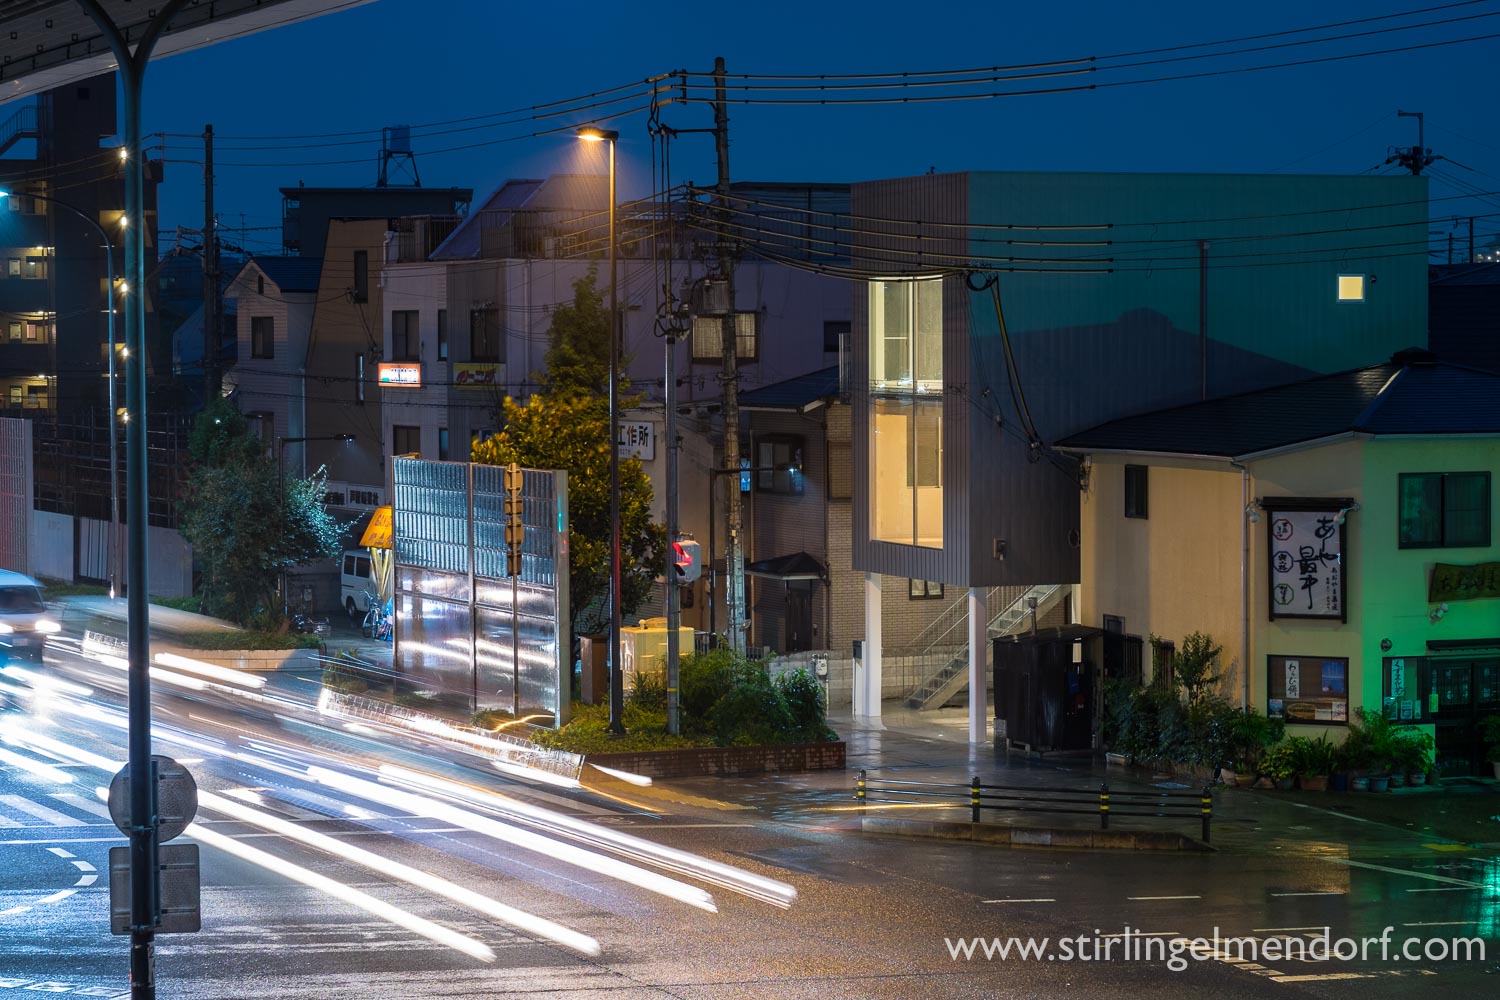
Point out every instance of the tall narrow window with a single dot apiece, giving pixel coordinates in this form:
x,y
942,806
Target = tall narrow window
x,y
405,341
442,444
262,336
442,350
484,336
361,291
1135,491
906,411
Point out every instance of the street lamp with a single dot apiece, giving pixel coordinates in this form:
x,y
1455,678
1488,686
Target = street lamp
x,y
114,474
281,443
616,674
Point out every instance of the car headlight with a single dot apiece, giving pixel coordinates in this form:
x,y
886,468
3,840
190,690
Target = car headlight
x,y
5,629
48,626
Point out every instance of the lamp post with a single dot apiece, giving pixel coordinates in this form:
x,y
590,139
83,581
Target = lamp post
x,y
616,673
281,443
114,465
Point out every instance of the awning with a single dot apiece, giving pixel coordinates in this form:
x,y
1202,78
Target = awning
x,y
797,566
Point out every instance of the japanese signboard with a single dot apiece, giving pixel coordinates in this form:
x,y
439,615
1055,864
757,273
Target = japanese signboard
x,y
1306,564
1463,583
637,440
476,376
400,373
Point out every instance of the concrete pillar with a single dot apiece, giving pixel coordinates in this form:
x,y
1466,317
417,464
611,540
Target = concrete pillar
x,y
978,676
867,674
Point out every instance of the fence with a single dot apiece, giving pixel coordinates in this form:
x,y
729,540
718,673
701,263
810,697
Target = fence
x,y
1103,803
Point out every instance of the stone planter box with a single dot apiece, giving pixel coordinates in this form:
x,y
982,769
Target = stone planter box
x,y
698,761
265,660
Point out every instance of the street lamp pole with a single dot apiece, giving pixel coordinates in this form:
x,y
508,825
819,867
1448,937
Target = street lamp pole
x,y
616,671
114,465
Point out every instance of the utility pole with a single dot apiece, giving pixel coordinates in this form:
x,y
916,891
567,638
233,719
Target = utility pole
x,y
1471,239
1413,158
211,360
734,560
674,614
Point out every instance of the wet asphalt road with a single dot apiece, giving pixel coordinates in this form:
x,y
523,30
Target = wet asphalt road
x,y
873,916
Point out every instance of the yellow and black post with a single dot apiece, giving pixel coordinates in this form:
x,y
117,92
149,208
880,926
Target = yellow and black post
x,y
974,799
1104,806
1208,810
859,791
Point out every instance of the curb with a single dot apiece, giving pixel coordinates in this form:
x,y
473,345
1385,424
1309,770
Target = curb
x,y
1017,836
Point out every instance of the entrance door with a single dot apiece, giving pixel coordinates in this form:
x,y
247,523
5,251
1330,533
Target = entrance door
x,y
798,618
1466,690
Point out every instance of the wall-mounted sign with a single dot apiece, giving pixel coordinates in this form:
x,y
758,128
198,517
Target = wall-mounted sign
x,y
1463,583
1305,558
476,376
405,373
637,439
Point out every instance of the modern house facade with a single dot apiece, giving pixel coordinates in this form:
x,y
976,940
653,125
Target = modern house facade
x,y
1002,312
1336,535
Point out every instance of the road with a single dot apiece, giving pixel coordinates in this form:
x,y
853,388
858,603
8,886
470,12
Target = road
x,y
337,864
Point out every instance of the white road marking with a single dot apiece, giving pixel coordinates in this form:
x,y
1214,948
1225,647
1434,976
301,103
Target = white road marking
x,y
1445,888
13,910
1322,976
84,804
1335,892
1162,897
60,894
1268,930
86,880
59,852
1141,934
1442,923
7,822
1020,900
1403,871
84,866
25,805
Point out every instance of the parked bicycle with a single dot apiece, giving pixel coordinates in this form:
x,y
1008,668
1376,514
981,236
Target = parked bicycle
x,y
378,623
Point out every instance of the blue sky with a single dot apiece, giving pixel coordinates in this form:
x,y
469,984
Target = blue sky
x,y
423,61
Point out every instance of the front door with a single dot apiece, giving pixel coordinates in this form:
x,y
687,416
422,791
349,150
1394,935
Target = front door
x,y
798,618
1465,691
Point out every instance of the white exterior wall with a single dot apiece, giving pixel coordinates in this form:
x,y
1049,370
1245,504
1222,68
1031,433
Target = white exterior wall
x,y
274,385
421,287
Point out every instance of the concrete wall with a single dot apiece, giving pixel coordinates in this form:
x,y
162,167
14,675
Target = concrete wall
x,y
51,545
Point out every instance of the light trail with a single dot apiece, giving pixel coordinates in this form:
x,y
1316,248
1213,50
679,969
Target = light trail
x,y
527,923
44,771
682,862
210,670
557,850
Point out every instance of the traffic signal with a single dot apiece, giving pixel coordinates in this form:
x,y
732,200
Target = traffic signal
x,y
687,560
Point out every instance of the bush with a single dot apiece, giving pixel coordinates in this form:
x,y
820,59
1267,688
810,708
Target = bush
x,y
1197,665
1490,730
804,701
334,680
246,639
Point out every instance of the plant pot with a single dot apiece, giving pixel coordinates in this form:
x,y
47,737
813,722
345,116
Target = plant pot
x,y
1243,780
1379,784
1360,784
1338,783
1314,782
1398,780
1284,784
1416,779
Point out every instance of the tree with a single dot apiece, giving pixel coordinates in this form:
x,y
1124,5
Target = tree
x,y
246,523
566,426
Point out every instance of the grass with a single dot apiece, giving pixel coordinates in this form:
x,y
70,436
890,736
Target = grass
x,y
588,732
192,604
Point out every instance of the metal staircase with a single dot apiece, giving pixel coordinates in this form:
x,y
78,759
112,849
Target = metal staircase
x,y
21,125
952,677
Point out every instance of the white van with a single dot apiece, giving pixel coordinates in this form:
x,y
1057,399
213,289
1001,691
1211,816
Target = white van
x,y
24,621
355,583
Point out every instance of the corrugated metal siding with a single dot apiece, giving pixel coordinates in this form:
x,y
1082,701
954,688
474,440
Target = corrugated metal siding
x,y
936,199
782,524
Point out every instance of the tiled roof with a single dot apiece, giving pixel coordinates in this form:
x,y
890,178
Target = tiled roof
x,y
794,393
1406,396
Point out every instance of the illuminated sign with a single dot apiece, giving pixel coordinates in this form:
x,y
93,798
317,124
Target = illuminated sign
x,y
400,373
378,534
476,376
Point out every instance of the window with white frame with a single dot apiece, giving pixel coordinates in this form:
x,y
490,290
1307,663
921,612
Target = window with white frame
x,y
906,411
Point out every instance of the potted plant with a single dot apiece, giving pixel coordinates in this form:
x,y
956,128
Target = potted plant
x,y
1251,734
1490,730
1315,763
1280,764
1418,749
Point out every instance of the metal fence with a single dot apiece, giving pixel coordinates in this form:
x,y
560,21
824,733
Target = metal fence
x,y
978,797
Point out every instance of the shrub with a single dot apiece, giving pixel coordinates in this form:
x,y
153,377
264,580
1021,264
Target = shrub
x,y
1280,762
1196,666
1490,730
343,683
804,701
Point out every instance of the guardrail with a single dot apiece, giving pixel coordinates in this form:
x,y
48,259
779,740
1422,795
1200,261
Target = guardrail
x,y
978,796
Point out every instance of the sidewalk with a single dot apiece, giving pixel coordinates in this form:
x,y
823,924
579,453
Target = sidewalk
x,y
933,747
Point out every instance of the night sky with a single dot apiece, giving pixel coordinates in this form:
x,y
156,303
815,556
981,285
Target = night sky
x,y
424,61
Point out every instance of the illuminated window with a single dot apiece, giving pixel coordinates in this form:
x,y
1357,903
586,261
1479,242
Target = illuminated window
x,y
906,412
708,337
924,590
1351,288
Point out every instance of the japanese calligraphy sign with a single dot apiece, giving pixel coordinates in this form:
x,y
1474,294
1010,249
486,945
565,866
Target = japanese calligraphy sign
x,y
637,439
1306,549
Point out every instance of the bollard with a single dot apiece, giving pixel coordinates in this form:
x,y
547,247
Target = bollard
x,y
1104,806
859,791
1208,810
974,799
